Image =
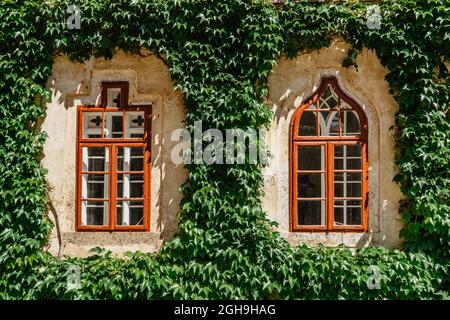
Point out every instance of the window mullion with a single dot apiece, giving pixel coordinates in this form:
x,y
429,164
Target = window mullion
x,y
330,185
83,186
126,186
107,186
113,187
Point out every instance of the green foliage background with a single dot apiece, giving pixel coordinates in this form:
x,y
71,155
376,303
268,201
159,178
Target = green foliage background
x,y
220,53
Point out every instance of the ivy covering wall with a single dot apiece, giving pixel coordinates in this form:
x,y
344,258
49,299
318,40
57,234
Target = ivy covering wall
x,y
220,53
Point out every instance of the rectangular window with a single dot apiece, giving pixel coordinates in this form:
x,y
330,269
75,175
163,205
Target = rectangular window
x,y
329,186
113,168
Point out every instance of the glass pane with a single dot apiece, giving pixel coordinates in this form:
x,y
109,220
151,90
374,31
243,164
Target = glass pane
x,y
137,159
354,212
347,184
95,186
120,159
94,213
348,212
130,159
311,158
311,212
329,123
307,125
95,159
347,157
113,125
136,186
113,97
311,185
130,185
328,99
351,126
338,213
135,124
92,124
130,213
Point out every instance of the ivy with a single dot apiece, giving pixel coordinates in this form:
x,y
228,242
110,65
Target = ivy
x,y
220,54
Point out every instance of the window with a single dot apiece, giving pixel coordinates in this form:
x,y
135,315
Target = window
x,y
328,155
113,163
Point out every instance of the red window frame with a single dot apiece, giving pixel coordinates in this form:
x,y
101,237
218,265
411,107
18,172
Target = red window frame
x,y
113,144
329,142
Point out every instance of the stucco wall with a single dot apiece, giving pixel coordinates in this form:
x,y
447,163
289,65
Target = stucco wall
x,y
73,84
150,83
295,80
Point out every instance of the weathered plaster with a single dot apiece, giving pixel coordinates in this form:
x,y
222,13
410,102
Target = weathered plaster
x,y
293,81
73,84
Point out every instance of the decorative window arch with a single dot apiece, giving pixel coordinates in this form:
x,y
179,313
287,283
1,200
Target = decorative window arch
x,y
329,162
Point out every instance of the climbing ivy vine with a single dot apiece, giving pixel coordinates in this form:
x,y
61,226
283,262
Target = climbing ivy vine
x,y
220,53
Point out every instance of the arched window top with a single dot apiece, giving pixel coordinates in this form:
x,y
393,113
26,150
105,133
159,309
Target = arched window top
x,y
329,114
329,163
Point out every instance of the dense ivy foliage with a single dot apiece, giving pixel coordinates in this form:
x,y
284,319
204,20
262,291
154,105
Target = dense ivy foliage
x,y
220,53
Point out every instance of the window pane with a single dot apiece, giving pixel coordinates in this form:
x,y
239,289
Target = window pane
x,y
354,211
130,159
95,186
94,213
311,212
92,124
347,157
113,97
113,124
136,186
328,99
347,184
130,213
311,185
137,159
329,123
135,124
95,159
347,212
338,213
130,185
311,158
307,125
351,126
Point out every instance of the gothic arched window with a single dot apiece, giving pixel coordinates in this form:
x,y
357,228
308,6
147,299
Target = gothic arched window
x,y
328,162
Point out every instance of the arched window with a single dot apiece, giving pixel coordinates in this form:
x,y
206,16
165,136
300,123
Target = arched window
x,y
328,162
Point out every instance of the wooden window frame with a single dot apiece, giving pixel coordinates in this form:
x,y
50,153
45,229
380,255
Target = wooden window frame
x,y
328,142
113,144
122,85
